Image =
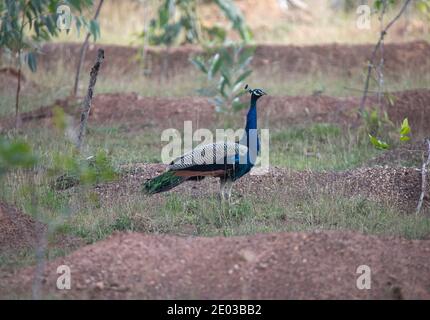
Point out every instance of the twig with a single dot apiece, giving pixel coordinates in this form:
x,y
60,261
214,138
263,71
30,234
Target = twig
x,y
375,50
18,90
83,52
424,179
359,90
380,67
86,106
18,87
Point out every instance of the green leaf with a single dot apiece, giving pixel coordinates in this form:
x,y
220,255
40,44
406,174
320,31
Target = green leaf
x,y
225,74
422,6
15,154
378,143
215,65
29,18
31,61
163,16
235,16
216,34
237,87
221,86
405,129
78,24
378,4
243,76
95,29
199,64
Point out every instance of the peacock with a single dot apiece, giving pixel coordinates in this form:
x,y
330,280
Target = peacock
x,y
226,160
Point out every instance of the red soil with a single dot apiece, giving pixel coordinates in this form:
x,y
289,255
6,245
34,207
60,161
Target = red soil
x,y
318,265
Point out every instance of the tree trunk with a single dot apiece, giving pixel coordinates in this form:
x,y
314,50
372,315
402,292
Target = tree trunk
x,y
18,90
83,53
86,106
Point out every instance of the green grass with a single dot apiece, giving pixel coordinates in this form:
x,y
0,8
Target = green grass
x,y
19,258
314,146
318,147
183,215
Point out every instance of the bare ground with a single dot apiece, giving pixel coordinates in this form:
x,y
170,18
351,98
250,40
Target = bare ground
x,y
137,112
313,265
17,230
399,186
20,232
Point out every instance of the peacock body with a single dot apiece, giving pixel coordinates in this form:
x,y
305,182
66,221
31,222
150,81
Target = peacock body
x,y
228,161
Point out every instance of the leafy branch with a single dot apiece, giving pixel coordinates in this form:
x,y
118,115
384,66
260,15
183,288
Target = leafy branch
x,y
177,21
226,71
424,178
404,132
371,63
24,24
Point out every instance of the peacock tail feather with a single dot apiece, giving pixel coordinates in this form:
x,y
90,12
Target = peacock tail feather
x,y
163,182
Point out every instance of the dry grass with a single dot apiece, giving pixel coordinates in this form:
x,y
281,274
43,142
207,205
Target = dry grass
x,y
121,21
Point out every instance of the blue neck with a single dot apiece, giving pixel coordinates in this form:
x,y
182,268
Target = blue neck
x,y
252,140
251,118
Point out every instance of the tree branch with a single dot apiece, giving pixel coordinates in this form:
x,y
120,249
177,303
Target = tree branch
x,y
375,50
83,52
86,106
424,179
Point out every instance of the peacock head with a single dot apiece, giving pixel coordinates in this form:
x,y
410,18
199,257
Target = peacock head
x,y
255,93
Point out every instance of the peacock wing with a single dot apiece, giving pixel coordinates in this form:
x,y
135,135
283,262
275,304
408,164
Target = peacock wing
x,y
209,157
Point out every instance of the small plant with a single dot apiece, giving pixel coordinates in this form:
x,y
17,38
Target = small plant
x,y
175,19
375,70
404,132
376,123
226,72
74,170
177,22
15,154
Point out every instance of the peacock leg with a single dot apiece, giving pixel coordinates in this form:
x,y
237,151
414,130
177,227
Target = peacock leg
x,y
222,189
229,186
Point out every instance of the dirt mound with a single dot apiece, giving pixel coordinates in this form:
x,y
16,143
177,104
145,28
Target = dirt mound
x,y
407,155
20,231
399,187
318,265
141,112
17,230
150,111
333,58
